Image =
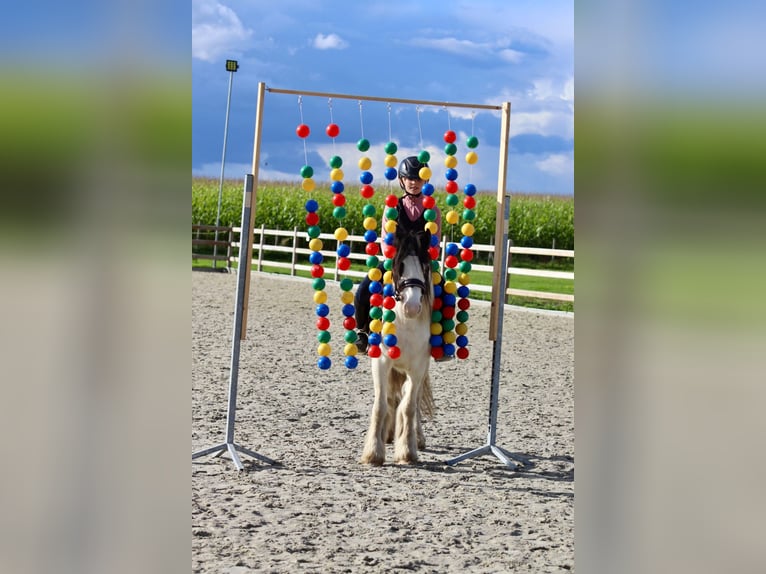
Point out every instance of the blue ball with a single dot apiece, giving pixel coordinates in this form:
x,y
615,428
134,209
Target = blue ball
x,y
347,310
461,341
316,257
343,250
435,240
449,349
337,187
467,241
428,189
451,174
374,339
463,291
452,249
366,177
322,310
391,173
390,340
351,362
324,363
390,238
312,205
470,189
448,300
436,340
370,236
388,290
376,286
438,290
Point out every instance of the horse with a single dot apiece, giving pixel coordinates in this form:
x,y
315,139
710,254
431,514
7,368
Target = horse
x,y
402,386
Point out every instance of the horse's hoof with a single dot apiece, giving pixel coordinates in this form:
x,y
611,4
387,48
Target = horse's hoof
x,y
408,459
372,460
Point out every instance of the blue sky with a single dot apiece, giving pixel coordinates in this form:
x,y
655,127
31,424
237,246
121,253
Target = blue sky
x,y
480,52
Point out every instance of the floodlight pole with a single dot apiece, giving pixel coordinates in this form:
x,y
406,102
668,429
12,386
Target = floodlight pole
x,y
231,66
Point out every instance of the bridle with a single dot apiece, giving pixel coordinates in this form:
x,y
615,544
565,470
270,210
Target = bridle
x,y
409,282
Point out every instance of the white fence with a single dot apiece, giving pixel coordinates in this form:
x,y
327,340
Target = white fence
x,y
288,242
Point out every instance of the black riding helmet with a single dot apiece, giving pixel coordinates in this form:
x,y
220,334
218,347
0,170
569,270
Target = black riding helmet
x,y
410,167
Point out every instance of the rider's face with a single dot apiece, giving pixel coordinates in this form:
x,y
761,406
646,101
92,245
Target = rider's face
x,y
412,186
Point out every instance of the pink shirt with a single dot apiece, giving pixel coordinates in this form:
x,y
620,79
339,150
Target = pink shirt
x,y
413,208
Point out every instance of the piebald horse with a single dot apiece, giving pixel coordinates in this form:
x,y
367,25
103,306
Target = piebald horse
x,y
402,386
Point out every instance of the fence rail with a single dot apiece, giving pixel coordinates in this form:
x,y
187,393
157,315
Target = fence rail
x,y
287,242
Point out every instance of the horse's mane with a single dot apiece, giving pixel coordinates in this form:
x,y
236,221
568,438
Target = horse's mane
x,y
413,243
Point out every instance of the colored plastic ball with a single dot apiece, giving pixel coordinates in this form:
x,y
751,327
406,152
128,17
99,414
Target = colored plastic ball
x,y
363,144
372,261
436,341
436,329
346,284
390,173
343,250
449,349
374,338
391,200
339,212
390,161
462,316
303,131
425,173
450,136
449,288
461,341
349,323
376,300
368,211
312,218
389,251
431,227
437,352
394,352
365,178
391,213
433,252
451,174
320,297
469,202
337,187
344,263
450,161
461,328
470,189
373,352
347,298
436,316
317,270
468,229
466,242
449,298
450,274
464,304
465,267
428,189
339,200
391,225
336,161
429,215
434,242
452,199
367,191
450,261
314,231
316,257
336,174
424,157
332,130
324,363
471,157
308,184
307,171
462,353
452,217
370,235
364,163
312,205
469,214
472,142
324,336
351,362
389,302
322,310
451,188
437,304
464,279
323,323
390,148
347,310
434,265
389,316
369,223
389,290
429,202
372,248
450,149
318,284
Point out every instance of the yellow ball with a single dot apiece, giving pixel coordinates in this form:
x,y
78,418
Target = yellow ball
x,y
450,161
449,337
320,297
315,244
452,217
370,223
365,163
450,287
347,297
376,325
461,328
471,157
323,350
432,227
390,161
468,229
436,277
425,173
374,274
341,234
391,226
336,174
388,277
389,329
308,184
350,349
464,279
436,329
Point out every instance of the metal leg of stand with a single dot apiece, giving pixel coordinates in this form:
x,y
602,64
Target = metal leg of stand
x,y
229,446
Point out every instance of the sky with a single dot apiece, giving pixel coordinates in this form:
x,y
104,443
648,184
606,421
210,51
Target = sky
x,y
480,52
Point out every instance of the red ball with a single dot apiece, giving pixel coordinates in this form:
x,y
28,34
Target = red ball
x,y
373,351
464,304
323,323
349,323
429,202
344,263
367,191
394,352
450,186
338,200
433,252
462,353
469,202
391,200
389,251
303,131
448,312
437,352
450,261
450,136
312,218
332,130
389,302
372,248
466,254
376,300
437,304
317,270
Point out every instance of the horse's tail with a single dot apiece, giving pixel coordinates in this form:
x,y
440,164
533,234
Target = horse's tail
x,y
426,403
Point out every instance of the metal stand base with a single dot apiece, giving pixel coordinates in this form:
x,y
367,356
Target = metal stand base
x,y
232,449
512,461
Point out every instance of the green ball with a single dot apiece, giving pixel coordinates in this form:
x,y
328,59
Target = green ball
x,y
388,264
363,144
424,157
391,213
390,148
462,316
448,325
450,274
465,266
307,171
452,199
376,312
429,214
336,161
350,336
324,336
372,261
469,214
472,142
346,284
436,316
314,231
389,315
368,210
319,284
450,149
339,212
434,265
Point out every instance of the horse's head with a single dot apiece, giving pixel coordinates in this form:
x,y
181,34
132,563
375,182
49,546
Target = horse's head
x,y
412,272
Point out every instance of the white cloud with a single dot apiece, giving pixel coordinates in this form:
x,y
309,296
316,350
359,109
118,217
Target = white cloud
x,y
216,30
329,42
556,164
471,49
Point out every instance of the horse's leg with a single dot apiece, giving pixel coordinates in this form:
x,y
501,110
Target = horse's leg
x,y
405,443
374,449
395,381
425,409
419,420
